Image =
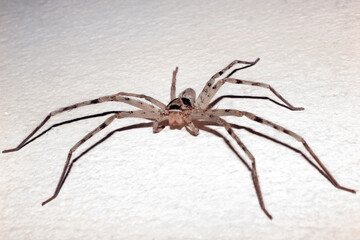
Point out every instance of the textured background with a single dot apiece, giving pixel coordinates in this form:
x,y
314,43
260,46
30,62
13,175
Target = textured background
x,y
138,185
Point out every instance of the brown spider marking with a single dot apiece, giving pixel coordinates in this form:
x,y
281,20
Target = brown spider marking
x,y
185,111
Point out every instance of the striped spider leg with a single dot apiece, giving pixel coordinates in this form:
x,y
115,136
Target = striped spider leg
x,y
68,163
119,97
213,117
149,112
203,95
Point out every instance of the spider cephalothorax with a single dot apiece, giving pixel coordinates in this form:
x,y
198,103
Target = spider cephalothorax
x,y
185,111
179,109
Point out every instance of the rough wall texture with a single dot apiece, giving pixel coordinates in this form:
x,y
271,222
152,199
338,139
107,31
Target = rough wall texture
x,y
137,185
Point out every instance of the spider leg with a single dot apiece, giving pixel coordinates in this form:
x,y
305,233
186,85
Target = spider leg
x,y
115,97
206,128
73,149
173,85
236,113
156,125
147,98
252,131
217,86
134,126
190,127
68,163
254,175
208,85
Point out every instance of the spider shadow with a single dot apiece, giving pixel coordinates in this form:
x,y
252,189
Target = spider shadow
x,y
67,122
213,103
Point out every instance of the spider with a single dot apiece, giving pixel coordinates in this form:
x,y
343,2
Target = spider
x,y
186,111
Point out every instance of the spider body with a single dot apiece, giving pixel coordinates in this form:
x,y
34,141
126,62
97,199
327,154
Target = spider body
x,y
186,111
177,112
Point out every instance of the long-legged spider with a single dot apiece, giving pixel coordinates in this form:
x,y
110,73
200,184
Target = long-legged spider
x,y
185,111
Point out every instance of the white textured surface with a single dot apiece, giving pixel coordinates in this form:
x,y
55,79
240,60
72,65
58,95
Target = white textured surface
x,y
138,185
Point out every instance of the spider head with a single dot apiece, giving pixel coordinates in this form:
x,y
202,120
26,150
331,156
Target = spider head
x,y
186,100
188,97
179,104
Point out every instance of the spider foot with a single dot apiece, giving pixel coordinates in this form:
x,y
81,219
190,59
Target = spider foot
x,y
158,129
10,150
298,108
258,59
267,213
45,202
347,189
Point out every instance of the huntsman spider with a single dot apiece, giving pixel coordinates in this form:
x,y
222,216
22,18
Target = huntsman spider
x,y
186,111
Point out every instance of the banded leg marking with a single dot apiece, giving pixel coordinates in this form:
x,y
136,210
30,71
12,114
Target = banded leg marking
x,y
147,98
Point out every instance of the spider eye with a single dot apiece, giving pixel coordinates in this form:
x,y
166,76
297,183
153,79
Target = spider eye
x,y
186,101
174,106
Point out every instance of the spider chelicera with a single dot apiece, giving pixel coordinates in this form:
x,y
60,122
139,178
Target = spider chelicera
x,y
185,111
